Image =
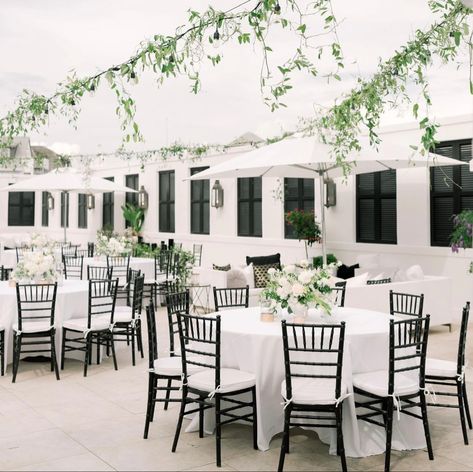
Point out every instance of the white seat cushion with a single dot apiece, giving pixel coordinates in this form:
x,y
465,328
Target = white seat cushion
x,y
157,280
173,366
33,327
307,391
440,368
377,383
123,314
231,380
80,324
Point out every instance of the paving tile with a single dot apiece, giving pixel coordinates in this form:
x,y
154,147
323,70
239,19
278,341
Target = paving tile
x,y
82,462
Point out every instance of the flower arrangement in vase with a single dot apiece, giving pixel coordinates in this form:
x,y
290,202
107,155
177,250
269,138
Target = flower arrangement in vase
x,y
298,289
37,267
113,244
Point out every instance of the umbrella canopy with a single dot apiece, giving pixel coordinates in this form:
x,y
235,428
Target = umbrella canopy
x,y
306,158
66,179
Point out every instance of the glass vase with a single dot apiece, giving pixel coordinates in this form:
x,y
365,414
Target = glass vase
x,y
300,312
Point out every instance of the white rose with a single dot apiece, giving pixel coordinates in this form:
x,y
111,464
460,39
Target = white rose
x,y
304,263
289,269
271,271
305,277
297,289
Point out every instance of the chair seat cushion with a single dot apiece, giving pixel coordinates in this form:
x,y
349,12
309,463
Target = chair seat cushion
x,y
231,380
123,314
307,391
440,368
172,366
377,383
33,327
159,279
80,324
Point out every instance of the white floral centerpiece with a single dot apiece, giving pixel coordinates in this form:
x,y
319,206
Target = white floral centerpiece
x,y
40,241
299,288
113,244
37,266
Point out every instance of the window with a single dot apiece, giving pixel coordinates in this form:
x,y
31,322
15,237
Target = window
x,y
249,207
45,209
451,190
132,198
376,219
166,201
21,208
82,210
65,201
108,208
200,203
298,194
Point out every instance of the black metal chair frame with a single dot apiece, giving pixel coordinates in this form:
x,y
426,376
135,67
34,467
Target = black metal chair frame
x,y
120,265
457,382
20,251
314,341
102,297
231,297
411,334
379,281
73,267
35,302
90,249
2,352
99,273
165,263
5,273
70,250
131,331
339,292
195,331
406,304
177,300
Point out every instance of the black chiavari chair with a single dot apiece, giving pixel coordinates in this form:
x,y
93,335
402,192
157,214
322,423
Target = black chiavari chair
x,y
402,386
21,251
313,389
70,250
120,266
5,273
225,298
96,328
338,294
82,252
99,273
90,249
405,304
451,375
73,267
200,339
35,324
378,281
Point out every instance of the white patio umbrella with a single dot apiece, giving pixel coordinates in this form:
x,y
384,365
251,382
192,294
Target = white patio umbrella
x,y
66,180
308,158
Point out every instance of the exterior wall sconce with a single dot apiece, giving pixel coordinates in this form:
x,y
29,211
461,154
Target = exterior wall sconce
x,y
90,201
330,193
217,195
50,202
143,198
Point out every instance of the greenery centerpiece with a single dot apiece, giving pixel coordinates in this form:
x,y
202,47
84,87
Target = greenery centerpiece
x,y
299,289
305,227
110,243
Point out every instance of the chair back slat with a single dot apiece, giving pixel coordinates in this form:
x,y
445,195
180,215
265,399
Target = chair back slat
x,y
313,351
36,303
99,273
225,298
176,303
406,304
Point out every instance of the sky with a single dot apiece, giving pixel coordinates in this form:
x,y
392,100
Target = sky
x,y
42,41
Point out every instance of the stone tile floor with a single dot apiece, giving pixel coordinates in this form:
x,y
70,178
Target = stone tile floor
x,y
96,423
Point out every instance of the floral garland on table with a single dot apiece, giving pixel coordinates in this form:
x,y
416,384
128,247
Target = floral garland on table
x,y
37,266
113,244
292,287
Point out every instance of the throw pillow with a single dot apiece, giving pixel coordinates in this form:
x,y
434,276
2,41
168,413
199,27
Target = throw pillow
x,y
346,272
368,261
224,268
236,278
400,276
261,274
262,260
358,281
415,272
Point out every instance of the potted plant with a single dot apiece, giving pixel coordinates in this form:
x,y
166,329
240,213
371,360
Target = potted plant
x,y
305,227
135,217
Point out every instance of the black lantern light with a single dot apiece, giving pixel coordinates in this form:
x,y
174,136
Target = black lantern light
x,y
217,195
330,193
143,198
90,201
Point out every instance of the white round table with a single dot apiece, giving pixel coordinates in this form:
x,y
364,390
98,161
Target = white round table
x,y
255,346
71,302
144,264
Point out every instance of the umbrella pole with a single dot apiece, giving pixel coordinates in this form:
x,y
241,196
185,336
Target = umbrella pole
x,y
322,218
64,213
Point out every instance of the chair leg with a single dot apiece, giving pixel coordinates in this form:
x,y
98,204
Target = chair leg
x,y
112,343
2,352
179,421
462,412
255,419
155,393
149,406
340,443
168,394
465,403
425,421
53,356
99,340
133,336
140,339
201,421
63,347
285,438
218,431
88,344
389,432
16,358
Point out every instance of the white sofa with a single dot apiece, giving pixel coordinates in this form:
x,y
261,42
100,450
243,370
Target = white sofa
x,y
437,297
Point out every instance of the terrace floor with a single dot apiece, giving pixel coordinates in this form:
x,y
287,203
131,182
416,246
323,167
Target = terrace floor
x,y
96,423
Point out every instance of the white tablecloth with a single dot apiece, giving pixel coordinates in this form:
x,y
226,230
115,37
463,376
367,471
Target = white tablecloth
x,y
71,302
254,346
144,264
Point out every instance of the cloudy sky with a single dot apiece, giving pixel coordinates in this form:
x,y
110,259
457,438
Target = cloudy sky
x,y
41,41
